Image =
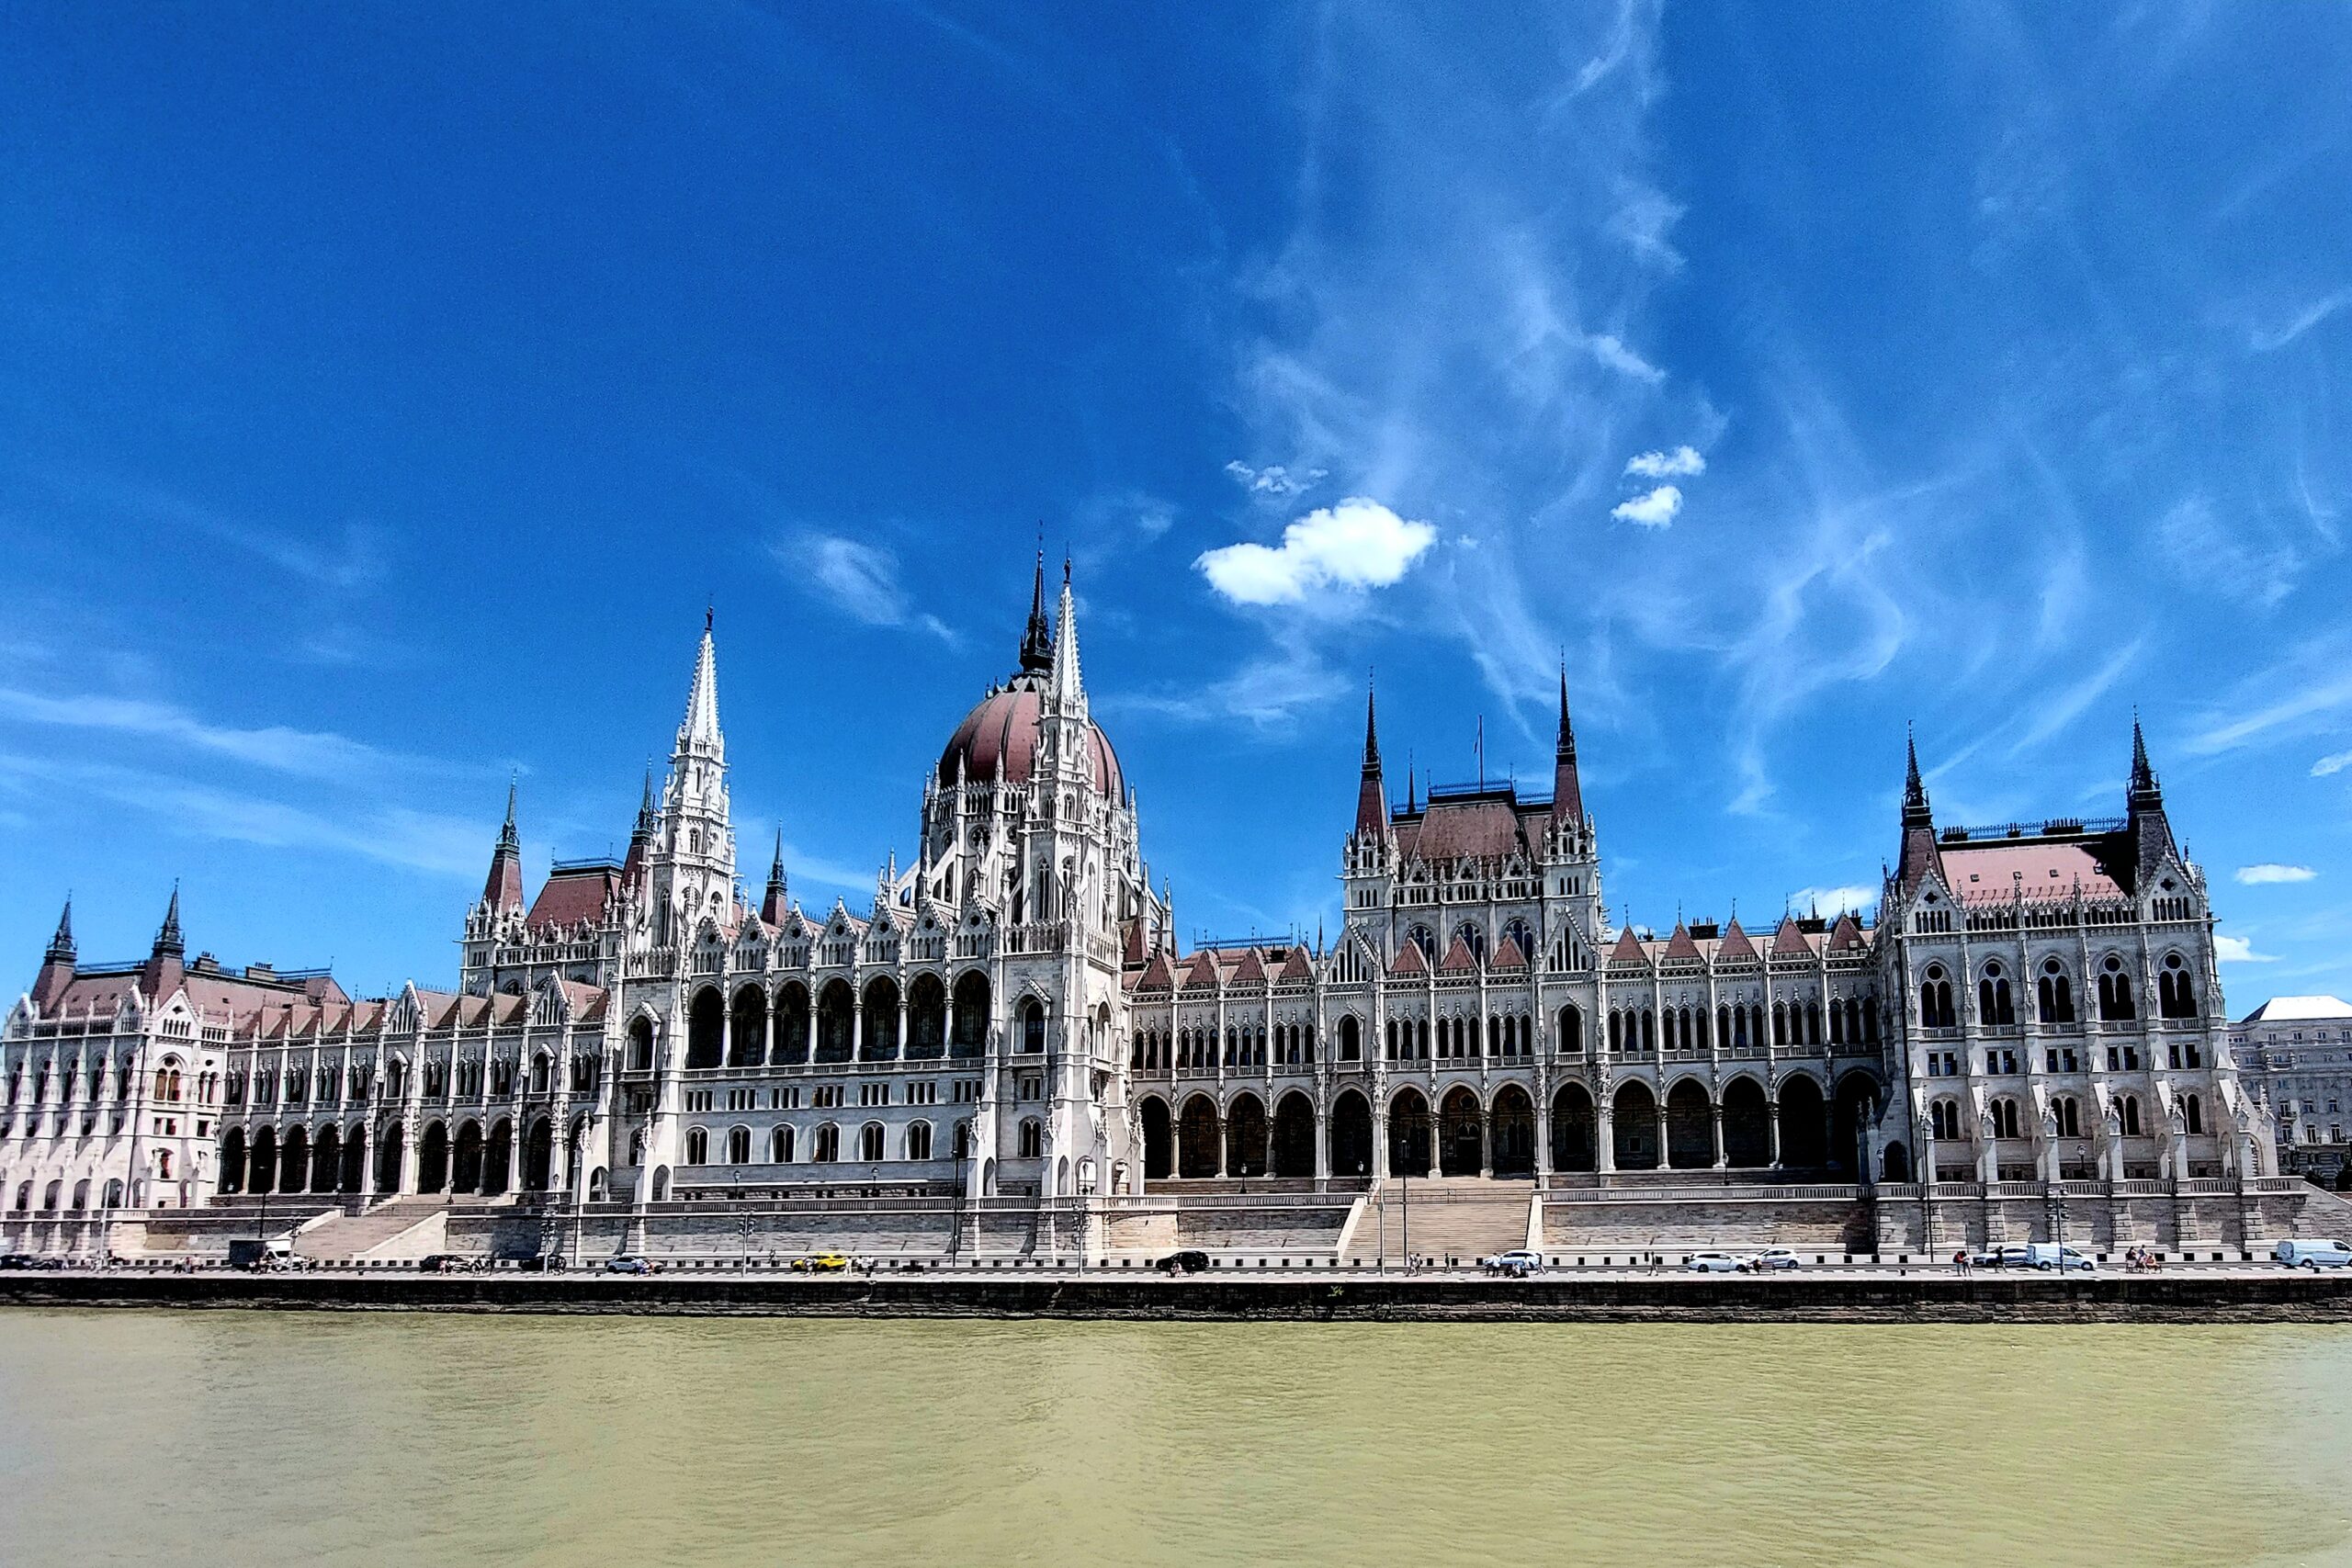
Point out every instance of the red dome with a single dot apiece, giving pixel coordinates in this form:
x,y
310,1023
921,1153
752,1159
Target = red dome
x,y
997,742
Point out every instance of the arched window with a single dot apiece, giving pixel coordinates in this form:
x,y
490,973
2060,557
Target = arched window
x,y
2070,1117
640,1045
1351,1038
2005,1118
2055,993
739,1145
959,1143
2176,994
780,1147
1424,939
697,1147
869,1143
1032,1026
1944,1117
1571,1030
1470,936
829,1145
2114,991
1033,1139
919,1140
2130,1115
2192,1112
1994,1005
1935,1001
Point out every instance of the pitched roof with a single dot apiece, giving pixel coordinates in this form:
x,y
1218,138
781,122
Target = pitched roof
x,y
1251,970
1508,957
2298,1009
1788,940
1680,945
1296,967
1458,959
1845,936
1628,949
1467,830
1997,872
1202,973
1734,944
1409,961
570,898
1158,972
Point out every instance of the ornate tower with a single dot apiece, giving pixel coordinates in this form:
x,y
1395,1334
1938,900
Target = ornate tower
x,y
692,857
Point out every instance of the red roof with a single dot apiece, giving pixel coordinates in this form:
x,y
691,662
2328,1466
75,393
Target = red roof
x,y
1468,830
1735,943
998,740
1458,959
1508,957
570,898
1295,966
1202,973
1158,972
1788,940
1409,961
1628,949
1995,872
1679,945
1845,936
1251,970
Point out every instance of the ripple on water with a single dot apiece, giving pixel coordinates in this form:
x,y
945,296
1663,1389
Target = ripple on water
x,y
324,1438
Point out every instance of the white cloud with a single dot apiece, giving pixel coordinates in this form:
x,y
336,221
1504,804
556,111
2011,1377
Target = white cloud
x,y
1653,510
2333,762
1274,480
311,753
2238,949
1357,544
861,578
2270,871
1834,901
1610,350
1681,462
2318,311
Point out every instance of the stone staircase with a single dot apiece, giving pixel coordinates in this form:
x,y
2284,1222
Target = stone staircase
x,y
2323,1214
1461,1217
341,1238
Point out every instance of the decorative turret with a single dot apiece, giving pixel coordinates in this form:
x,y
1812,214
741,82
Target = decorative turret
x,y
777,899
165,967
504,889
641,837
57,962
1567,787
1037,638
2143,801
1920,854
694,853
1371,797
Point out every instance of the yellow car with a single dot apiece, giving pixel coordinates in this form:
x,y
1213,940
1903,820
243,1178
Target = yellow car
x,y
821,1263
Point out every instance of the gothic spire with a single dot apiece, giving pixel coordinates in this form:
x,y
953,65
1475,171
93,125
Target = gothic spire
x,y
1916,813
776,900
645,812
1567,783
1069,689
1037,638
699,731
503,889
1372,798
2144,789
168,941
61,946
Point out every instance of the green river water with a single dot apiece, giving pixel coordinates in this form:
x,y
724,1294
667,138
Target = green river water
x,y
302,1439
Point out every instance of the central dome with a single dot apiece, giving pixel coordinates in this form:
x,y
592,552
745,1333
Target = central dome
x,y
997,742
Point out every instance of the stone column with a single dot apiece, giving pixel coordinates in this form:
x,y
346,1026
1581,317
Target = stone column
x,y
1380,1142
1716,1115
1772,1133
1543,1137
1604,1137
1662,1162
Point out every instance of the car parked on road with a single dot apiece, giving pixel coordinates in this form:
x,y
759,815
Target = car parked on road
x,y
443,1263
2312,1255
1191,1260
541,1263
1711,1263
2048,1256
19,1261
628,1263
1517,1263
1771,1260
2012,1257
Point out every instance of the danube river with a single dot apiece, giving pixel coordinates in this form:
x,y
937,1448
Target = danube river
x,y
266,1439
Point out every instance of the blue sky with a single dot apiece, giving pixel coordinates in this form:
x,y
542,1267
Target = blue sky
x,y
385,390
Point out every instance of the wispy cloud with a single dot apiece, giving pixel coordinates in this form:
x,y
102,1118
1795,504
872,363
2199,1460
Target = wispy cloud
x,y
1680,463
2333,762
2307,690
2063,708
860,580
2271,871
1357,544
1274,480
2313,315
1652,508
1854,899
1610,351
1266,692
2239,950
342,556
320,755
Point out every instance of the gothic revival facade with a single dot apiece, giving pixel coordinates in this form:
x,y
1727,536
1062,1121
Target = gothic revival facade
x,y
1013,1018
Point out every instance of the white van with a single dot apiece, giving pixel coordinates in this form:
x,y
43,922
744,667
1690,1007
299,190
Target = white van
x,y
2045,1256
2312,1255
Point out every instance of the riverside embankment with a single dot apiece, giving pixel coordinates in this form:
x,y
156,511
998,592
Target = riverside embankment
x,y
1874,1296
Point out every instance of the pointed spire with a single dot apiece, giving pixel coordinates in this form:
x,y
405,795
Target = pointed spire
x,y
1916,813
1037,638
1567,783
645,811
2144,777
168,941
1069,689
1372,798
699,728
61,946
503,889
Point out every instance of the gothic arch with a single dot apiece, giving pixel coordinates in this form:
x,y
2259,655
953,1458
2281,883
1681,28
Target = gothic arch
x,y
1350,1134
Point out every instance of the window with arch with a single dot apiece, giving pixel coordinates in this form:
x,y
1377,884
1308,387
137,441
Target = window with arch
x,y
2053,993
1994,1005
919,1140
1032,1026
960,1142
780,1147
1351,1038
1033,1139
2192,1114
2128,1109
1471,936
869,1143
1935,1001
640,1045
1943,1117
2175,994
697,1145
1520,935
829,1145
2115,1004
1424,939
2004,1113
2069,1115
1571,1036
739,1145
